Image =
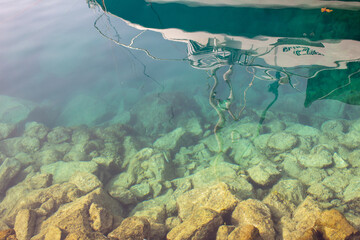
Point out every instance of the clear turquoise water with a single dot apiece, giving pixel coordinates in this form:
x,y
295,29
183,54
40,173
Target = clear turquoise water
x,y
70,63
53,52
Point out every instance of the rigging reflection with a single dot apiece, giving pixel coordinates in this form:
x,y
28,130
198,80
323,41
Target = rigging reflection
x,y
330,67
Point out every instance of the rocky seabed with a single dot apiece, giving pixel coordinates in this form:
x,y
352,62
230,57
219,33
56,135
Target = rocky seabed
x,y
285,181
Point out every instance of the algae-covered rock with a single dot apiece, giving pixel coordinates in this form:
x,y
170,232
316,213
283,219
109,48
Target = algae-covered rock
x,y
354,158
351,140
223,172
170,141
339,161
8,170
62,171
279,206
132,228
29,144
319,157
48,156
59,135
85,181
265,173
290,165
333,128
201,225
281,142
256,213
123,195
320,192
311,176
217,197
292,190
141,190
337,181
352,194
37,130
6,129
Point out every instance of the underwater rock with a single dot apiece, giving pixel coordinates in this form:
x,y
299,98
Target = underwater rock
x,y
333,225
223,172
3,226
62,171
75,155
85,181
170,141
292,190
351,140
264,174
37,130
311,176
333,129
100,219
14,110
8,170
43,201
224,231
151,165
339,161
354,158
10,146
275,126
261,141
352,194
54,233
59,135
123,195
201,225
141,190
319,157
337,181
8,234
29,144
193,126
132,228
217,198
281,142
303,219
290,165
320,192
154,214
172,222
6,129
124,180
243,151
48,156
309,134
256,213
279,207
25,224
74,217
247,232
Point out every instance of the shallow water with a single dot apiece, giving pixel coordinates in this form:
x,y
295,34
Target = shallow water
x,y
231,78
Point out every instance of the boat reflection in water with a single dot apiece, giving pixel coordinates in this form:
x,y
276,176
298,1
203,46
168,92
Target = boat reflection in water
x,y
324,65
